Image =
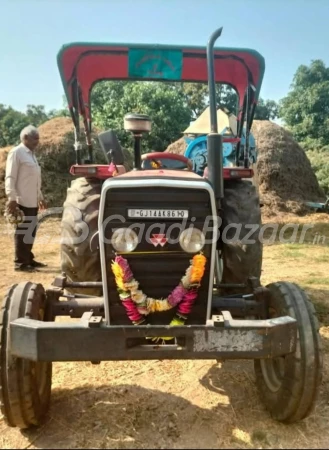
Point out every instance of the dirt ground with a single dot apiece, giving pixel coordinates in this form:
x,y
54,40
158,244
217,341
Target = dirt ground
x,y
175,404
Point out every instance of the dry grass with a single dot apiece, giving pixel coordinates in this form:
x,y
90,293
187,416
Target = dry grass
x,y
173,404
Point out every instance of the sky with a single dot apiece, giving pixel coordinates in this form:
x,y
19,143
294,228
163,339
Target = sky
x,y
287,33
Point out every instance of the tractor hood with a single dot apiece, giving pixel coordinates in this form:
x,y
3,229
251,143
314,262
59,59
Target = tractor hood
x,y
81,65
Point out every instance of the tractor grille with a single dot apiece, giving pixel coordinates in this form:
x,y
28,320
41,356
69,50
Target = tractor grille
x,y
157,269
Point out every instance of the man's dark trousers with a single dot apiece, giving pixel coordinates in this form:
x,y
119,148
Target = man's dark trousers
x,y
24,237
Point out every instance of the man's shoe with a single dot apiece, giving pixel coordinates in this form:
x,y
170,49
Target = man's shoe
x,y
38,264
25,268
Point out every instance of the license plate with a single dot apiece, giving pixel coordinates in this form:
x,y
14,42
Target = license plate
x,y
158,213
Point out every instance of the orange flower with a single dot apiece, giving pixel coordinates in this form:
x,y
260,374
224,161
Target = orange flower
x,y
198,266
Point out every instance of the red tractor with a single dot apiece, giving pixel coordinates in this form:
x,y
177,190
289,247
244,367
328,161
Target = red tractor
x,y
152,261
81,66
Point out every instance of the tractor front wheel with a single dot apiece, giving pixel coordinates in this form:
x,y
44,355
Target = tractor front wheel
x,y
289,385
25,386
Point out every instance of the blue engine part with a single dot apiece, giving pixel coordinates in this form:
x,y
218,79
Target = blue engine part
x,y
196,151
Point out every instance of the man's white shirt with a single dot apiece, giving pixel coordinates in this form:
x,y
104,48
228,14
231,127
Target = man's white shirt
x,y
23,177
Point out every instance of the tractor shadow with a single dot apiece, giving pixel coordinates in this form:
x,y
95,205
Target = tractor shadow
x,y
125,416
131,416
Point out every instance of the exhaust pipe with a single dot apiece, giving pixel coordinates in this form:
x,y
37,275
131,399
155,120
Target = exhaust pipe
x,y
214,140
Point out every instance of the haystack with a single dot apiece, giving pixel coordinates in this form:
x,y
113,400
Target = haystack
x,y
177,147
285,176
56,154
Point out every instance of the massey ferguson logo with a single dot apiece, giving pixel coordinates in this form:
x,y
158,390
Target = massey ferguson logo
x,y
158,239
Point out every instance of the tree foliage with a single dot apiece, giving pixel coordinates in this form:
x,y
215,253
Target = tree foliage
x,y
266,110
36,114
320,163
171,107
196,97
112,100
13,121
305,109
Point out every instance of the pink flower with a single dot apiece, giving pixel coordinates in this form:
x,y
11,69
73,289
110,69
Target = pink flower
x,y
177,294
186,305
132,311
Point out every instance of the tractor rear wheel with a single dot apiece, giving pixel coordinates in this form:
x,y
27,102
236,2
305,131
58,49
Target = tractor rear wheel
x,y
25,386
289,385
241,222
79,223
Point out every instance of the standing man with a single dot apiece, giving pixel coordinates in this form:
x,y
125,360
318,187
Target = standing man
x,y
23,190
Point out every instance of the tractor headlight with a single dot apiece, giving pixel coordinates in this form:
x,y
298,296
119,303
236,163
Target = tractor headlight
x,y
192,240
124,240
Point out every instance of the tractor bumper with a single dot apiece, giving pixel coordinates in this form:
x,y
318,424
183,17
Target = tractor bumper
x,y
91,339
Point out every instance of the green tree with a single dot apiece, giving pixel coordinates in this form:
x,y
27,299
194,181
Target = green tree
x,y
305,109
11,124
64,112
320,163
36,114
266,110
163,102
13,121
197,97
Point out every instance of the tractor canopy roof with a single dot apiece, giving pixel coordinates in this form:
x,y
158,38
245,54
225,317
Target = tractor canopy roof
x,y
81,65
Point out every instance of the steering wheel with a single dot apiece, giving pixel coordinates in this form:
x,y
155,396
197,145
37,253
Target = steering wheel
x,y
164,160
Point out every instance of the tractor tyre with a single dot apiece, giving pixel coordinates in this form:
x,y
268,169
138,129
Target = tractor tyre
x,y
242,250
25,386
79,223
289,385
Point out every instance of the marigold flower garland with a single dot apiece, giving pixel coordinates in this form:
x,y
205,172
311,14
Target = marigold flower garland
x,y
138,305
